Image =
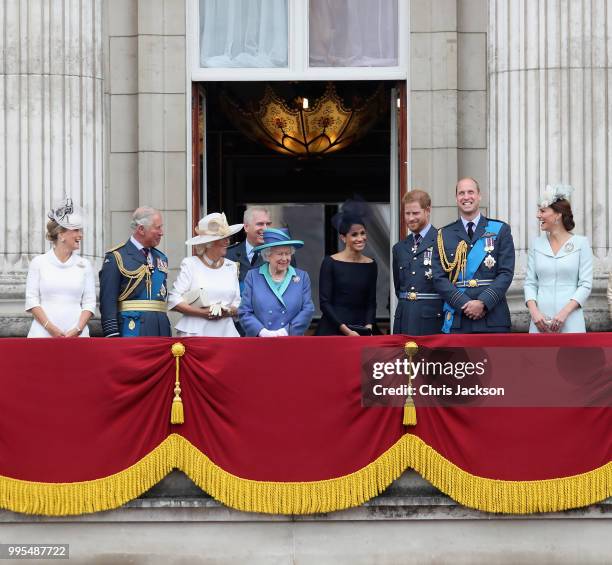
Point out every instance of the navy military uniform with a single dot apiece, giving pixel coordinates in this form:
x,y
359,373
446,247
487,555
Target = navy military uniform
x,y
419,310
238,253
489,282
133,292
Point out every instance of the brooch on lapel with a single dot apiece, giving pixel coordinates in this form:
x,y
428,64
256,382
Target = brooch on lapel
x,y
295,279
81,264
569,246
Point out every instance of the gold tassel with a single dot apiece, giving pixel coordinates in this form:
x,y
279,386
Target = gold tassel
x,y
177,415
410,417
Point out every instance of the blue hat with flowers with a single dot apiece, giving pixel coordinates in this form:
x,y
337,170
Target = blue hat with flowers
x,y
277,237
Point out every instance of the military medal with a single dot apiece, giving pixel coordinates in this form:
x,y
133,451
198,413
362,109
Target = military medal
x,y
162,265
428,274
162,291
489,262
150,262
427,256
131,324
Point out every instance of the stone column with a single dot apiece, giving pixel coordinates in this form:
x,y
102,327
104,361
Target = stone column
x,y
146,96
51,140
448,99
550,121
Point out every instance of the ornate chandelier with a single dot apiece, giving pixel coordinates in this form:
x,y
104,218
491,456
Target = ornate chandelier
x,y
302,129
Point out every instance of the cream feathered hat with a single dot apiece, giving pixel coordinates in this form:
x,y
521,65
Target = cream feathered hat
x,y
554,192
213,227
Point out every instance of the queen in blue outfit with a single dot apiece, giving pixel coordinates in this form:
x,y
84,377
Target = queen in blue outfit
x,y
276,300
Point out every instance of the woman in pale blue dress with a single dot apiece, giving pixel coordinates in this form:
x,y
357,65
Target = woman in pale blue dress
x,y
559,268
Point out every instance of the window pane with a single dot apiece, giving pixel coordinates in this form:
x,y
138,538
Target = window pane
x,y
243,33
353,33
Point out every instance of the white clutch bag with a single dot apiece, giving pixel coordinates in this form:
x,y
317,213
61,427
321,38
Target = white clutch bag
x,y
196,297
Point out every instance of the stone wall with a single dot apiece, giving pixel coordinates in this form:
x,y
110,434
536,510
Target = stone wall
x,y
146,99
448,82
550,122
51,134
95,100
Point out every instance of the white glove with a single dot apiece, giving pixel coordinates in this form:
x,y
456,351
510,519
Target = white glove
x,y
267,333
215,310
282,332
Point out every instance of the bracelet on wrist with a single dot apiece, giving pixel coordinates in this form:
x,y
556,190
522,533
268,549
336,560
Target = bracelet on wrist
x,y
46,324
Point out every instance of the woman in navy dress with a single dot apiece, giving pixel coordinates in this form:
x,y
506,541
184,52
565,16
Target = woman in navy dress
x,y
347,282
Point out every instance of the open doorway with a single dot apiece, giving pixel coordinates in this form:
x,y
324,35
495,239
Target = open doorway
x,y
233,170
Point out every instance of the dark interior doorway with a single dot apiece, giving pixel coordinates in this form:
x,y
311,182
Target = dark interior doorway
x,y
235,171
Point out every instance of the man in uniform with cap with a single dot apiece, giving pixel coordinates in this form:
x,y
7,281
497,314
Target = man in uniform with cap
x,y
133,288
473,266
419,310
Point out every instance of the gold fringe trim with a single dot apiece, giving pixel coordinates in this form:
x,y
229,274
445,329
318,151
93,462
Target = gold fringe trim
x,y
63,499
515,497
507,497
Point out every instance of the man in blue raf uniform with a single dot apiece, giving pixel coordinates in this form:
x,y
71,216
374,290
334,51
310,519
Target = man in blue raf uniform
x,y
473,267
133,287
419,310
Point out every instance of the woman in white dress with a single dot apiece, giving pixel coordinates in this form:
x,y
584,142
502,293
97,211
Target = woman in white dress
x,y
559,268
60,288
206,290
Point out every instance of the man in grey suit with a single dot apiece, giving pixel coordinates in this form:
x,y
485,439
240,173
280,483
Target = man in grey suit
x,y
256,220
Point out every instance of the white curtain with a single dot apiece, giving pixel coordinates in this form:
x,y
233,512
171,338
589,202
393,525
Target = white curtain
x,y
243,33
353,33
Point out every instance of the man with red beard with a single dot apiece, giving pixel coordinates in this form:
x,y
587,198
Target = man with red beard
x,y
419,310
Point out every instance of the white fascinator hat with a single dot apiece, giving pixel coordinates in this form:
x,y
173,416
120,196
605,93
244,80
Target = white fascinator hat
x,y
67,214
554,192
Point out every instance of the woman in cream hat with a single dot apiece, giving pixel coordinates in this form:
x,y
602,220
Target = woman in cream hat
x,y
206,290
60,288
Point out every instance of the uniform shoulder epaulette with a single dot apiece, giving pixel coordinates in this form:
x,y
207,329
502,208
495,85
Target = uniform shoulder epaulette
x,y
115,248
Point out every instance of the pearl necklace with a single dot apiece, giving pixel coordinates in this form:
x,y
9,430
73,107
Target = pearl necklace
x,y
213,264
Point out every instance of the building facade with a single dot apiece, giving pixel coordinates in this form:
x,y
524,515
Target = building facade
x,y
97,103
